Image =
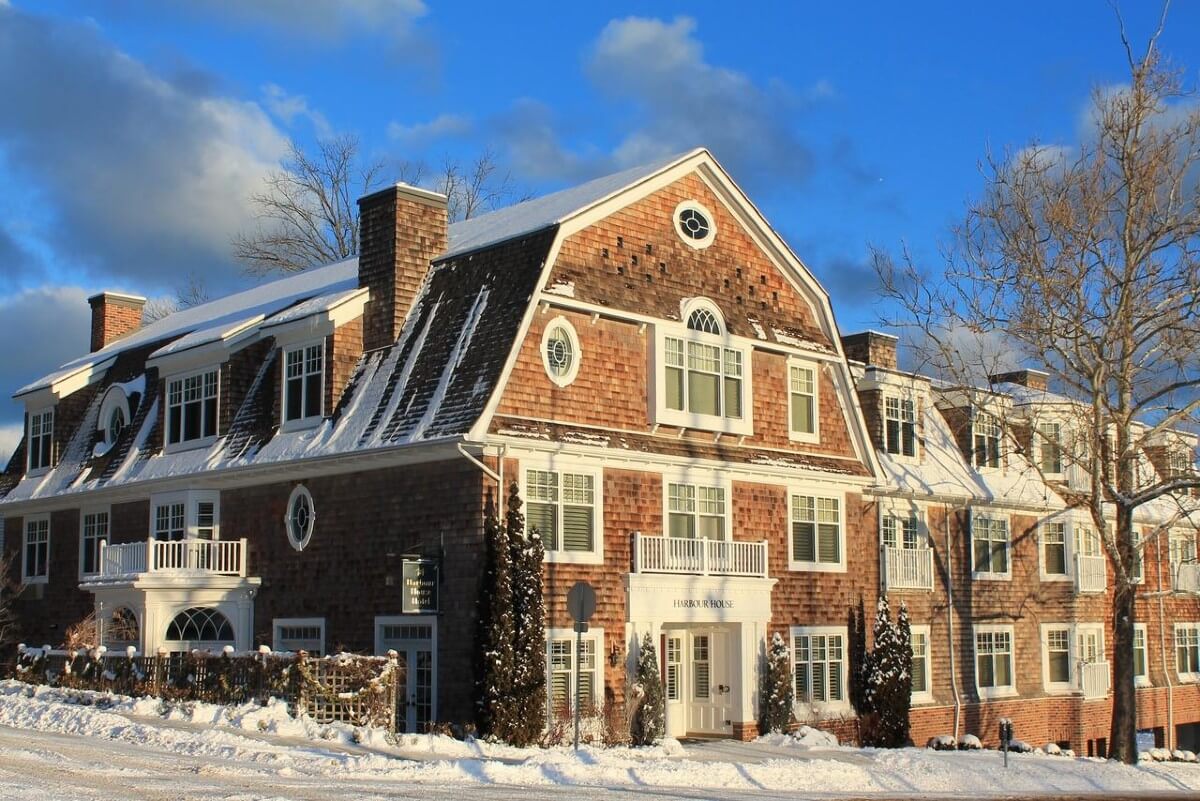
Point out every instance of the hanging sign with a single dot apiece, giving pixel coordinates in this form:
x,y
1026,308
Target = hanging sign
x,y
419,590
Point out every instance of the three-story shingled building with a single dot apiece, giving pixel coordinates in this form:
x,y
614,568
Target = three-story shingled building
x,y
306,465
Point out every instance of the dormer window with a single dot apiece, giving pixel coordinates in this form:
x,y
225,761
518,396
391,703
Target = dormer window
x,y
986,436
899,431
304,383
702,378
1050,447
192,408
40,440
116,424
1179,463
114,417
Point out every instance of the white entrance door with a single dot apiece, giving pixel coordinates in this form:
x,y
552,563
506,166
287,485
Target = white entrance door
x,y
710,692
415,647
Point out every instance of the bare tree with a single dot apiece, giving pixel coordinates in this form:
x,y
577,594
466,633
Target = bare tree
x,y
192,292
1087,260
308,213
10,624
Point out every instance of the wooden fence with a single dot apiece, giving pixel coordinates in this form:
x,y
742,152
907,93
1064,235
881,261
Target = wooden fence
x,y
358,690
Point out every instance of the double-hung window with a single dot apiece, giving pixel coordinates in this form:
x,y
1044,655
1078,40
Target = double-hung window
x,y
304,383
35,564
902,532
192,407
994,660
563,506
703,375
900,433
1141,676
989,541
819,665
802,401
1187,651
816,533
696,510
986,435
94,530
185,515
560,668
1050,447
922,690
1054,549
1057,642
40,441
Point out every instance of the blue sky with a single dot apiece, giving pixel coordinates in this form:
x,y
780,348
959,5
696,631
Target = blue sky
x,y
131,136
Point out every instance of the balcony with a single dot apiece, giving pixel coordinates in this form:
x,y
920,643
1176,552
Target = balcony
x,y
698,557
172,557
1091,573
1187,577
907,568
1093,679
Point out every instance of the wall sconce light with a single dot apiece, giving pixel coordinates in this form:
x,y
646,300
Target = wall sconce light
x,y
614,655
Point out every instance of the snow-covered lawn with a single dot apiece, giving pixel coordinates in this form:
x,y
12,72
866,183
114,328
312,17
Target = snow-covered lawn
x,y
110,747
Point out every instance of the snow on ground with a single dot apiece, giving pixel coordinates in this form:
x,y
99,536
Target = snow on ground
x,y
106,745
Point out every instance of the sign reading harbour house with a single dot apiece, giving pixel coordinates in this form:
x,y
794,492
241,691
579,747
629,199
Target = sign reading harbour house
x,y
419,592
702,603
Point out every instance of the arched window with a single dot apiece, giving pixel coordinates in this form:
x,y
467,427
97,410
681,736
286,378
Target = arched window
x,y
200,624
705,321
122,628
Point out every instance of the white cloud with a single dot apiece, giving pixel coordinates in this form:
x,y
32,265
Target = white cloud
x,y
321,20
286,107
420,134
146,178
10,434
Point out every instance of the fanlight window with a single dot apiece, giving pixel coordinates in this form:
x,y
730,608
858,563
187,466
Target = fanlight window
x,y
704,321
200,624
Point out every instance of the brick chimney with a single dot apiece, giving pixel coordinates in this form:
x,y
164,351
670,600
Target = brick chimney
x,y
1034,379
872,348
114,315
401,230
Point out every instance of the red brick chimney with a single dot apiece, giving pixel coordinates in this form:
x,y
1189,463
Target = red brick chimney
x,y
1034,379
401,229
114,315
872,348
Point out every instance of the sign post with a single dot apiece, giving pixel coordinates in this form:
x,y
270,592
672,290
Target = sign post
x,y
581,603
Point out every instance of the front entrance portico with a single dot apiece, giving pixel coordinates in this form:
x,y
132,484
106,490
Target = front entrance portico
x,y
711,634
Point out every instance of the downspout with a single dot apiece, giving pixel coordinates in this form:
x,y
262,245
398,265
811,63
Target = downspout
x,y
1162,651
498,477
950,620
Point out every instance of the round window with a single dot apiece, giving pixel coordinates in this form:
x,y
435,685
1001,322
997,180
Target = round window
x,y
113,418
560,351
694,224
300,517
116,424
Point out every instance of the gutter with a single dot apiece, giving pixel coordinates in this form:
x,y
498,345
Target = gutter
x,y
498,477
950,622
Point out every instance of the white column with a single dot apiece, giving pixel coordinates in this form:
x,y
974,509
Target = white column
x,y
749,639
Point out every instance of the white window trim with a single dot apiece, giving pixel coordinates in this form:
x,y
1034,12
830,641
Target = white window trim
x,y
987,575
1062,450
821,709
25,577
114,399
925,697
577,352
561,465
1189,677
280,622
1058,687
817,567
902,510
900,457
1068,550
190,444
596,635
299,543
191,499
409,620
659,412
1143,681
1006,691
697,480
800,436
30,470
83,513
300,423
981,416
695,244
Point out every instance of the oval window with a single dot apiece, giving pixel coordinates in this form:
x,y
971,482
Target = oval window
x,y
300,517
694,224
116,424
560,351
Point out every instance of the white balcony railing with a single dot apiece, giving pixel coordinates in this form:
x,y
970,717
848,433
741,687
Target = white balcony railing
x,y
907,568
204,557
1090,573
1093,679
700,557
1187,577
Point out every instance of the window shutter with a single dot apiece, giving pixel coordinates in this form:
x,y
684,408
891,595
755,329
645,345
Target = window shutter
x,y
803,547
818,682
542,517
918,672
835,681
577,528
829,546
